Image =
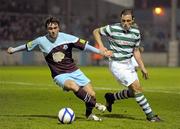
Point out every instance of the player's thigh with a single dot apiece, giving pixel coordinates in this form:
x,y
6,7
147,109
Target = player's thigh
x,y
89,89
71,85
66,82
80,78
124,73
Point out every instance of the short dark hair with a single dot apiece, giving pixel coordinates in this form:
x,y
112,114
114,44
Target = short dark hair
x,y
51,19
127,12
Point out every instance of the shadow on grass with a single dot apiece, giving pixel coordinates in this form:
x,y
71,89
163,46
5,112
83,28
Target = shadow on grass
x,y
120,116
38,116
79,118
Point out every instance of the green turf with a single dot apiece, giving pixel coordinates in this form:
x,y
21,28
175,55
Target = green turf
x,y
30,100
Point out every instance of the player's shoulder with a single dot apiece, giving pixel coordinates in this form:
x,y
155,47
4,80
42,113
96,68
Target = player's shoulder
x,y
65,34
135,28
68,37
111,25
38,39
42,37
116,26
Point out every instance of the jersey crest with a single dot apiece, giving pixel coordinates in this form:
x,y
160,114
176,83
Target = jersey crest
x,y
58,56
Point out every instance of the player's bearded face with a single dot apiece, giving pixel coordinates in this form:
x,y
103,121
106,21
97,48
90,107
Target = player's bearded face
x,y
126,21
53,29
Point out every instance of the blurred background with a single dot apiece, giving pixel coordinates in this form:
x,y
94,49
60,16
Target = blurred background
x,y
23,20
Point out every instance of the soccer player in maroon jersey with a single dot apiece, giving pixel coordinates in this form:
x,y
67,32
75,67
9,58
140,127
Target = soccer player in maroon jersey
x,y
57,49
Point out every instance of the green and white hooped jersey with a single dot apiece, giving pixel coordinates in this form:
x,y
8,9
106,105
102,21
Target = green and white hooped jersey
x,y
121,43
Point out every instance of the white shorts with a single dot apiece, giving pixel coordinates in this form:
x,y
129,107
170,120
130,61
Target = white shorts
x,y
124,72
134,62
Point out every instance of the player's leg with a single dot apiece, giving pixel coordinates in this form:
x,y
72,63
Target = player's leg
x,y
89,100
89,89
123,73
67,82
75,82
84,82
123,94
79,92
142,101
89,107
111,97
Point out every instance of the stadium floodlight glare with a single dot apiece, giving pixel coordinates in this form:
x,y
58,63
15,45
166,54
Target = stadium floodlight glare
x,y
158,11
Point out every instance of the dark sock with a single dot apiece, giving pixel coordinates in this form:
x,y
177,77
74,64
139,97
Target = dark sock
x,y
124,94
89,109
87,98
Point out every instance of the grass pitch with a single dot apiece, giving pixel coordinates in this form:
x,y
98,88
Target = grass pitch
x,y
29,99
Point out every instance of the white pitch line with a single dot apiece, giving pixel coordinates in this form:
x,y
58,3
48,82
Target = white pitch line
x,y
24,83
147,90
97,88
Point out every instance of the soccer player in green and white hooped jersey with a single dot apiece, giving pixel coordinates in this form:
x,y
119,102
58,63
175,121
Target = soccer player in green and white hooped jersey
x,y
124,40
57,49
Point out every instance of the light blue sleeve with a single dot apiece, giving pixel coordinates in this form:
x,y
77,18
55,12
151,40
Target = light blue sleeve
x,y
32,44
91,48
20,48
70,38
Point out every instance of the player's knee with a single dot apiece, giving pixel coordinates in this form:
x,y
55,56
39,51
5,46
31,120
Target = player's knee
x,y
139,89
136,88
88,88
93,94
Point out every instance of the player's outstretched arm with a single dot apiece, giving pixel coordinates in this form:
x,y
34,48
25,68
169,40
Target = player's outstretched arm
x,y
12,50
97,37
106,53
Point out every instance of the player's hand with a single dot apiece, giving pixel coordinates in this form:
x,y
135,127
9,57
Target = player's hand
x,y
108,53
10,50
145,73
103,48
